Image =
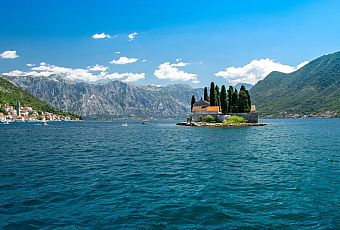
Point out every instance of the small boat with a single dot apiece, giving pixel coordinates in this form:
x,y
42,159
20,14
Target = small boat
x,y
124,124
44,121
5,122
145,122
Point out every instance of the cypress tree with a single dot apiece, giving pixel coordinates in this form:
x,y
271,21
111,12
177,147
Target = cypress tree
x,y
249,101
217,93
206,96
234,102
243,88
243,102
223,98
193,100
230,97
212,94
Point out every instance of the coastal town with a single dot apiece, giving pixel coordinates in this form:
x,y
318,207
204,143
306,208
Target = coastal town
x,y
327,114
18,113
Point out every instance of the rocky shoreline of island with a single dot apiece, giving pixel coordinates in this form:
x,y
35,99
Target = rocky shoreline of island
x,y
210,124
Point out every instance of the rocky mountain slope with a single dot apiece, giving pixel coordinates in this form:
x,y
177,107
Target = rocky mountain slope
x,y
111,99
315,88
247,85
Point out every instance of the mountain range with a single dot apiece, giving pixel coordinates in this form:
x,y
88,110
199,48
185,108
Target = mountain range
x,y
247,85
315,88
113,99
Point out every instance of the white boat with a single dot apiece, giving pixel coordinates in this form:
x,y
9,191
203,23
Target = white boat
x,y
5,122
124,124
44,121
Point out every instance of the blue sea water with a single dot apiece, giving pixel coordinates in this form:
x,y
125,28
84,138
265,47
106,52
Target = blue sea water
x,y
100,175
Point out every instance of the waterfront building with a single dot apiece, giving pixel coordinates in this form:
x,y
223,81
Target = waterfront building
x,y
203,107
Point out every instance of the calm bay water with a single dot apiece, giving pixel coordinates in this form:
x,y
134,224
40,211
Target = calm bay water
x,y
161,176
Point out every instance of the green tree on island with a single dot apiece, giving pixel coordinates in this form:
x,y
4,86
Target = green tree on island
x,y
193,100
234,102
223,99
230,98
249,101
206,96
229,101
212,94
217,94
243,102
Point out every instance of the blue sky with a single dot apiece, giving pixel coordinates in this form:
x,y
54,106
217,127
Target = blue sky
x,y
191,42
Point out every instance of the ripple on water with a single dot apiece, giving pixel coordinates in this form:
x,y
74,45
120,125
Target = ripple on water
x,y
101,175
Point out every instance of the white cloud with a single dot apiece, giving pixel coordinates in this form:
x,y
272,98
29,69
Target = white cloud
x,y
127,77
132,36
97,67
144,60
30,65
124,60
179,64
90,74
117,52
255,70
9,54
130,77
302,64
168,71
156,85
100,36
15,73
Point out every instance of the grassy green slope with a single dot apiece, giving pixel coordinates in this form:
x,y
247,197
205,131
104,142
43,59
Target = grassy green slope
x,y
312,89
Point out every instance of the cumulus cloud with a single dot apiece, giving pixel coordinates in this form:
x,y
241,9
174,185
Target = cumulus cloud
x,y
124,60
132,36
127,77
255,70
90,74
30,65
302,64
100,36
9,54
168,71
97,67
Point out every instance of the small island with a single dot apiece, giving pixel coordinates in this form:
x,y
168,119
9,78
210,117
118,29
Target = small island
x,y
225,108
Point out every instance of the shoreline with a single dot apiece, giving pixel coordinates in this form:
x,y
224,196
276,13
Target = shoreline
x,y
206,124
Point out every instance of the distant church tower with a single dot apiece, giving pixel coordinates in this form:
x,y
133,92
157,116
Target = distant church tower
x,y
18,108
